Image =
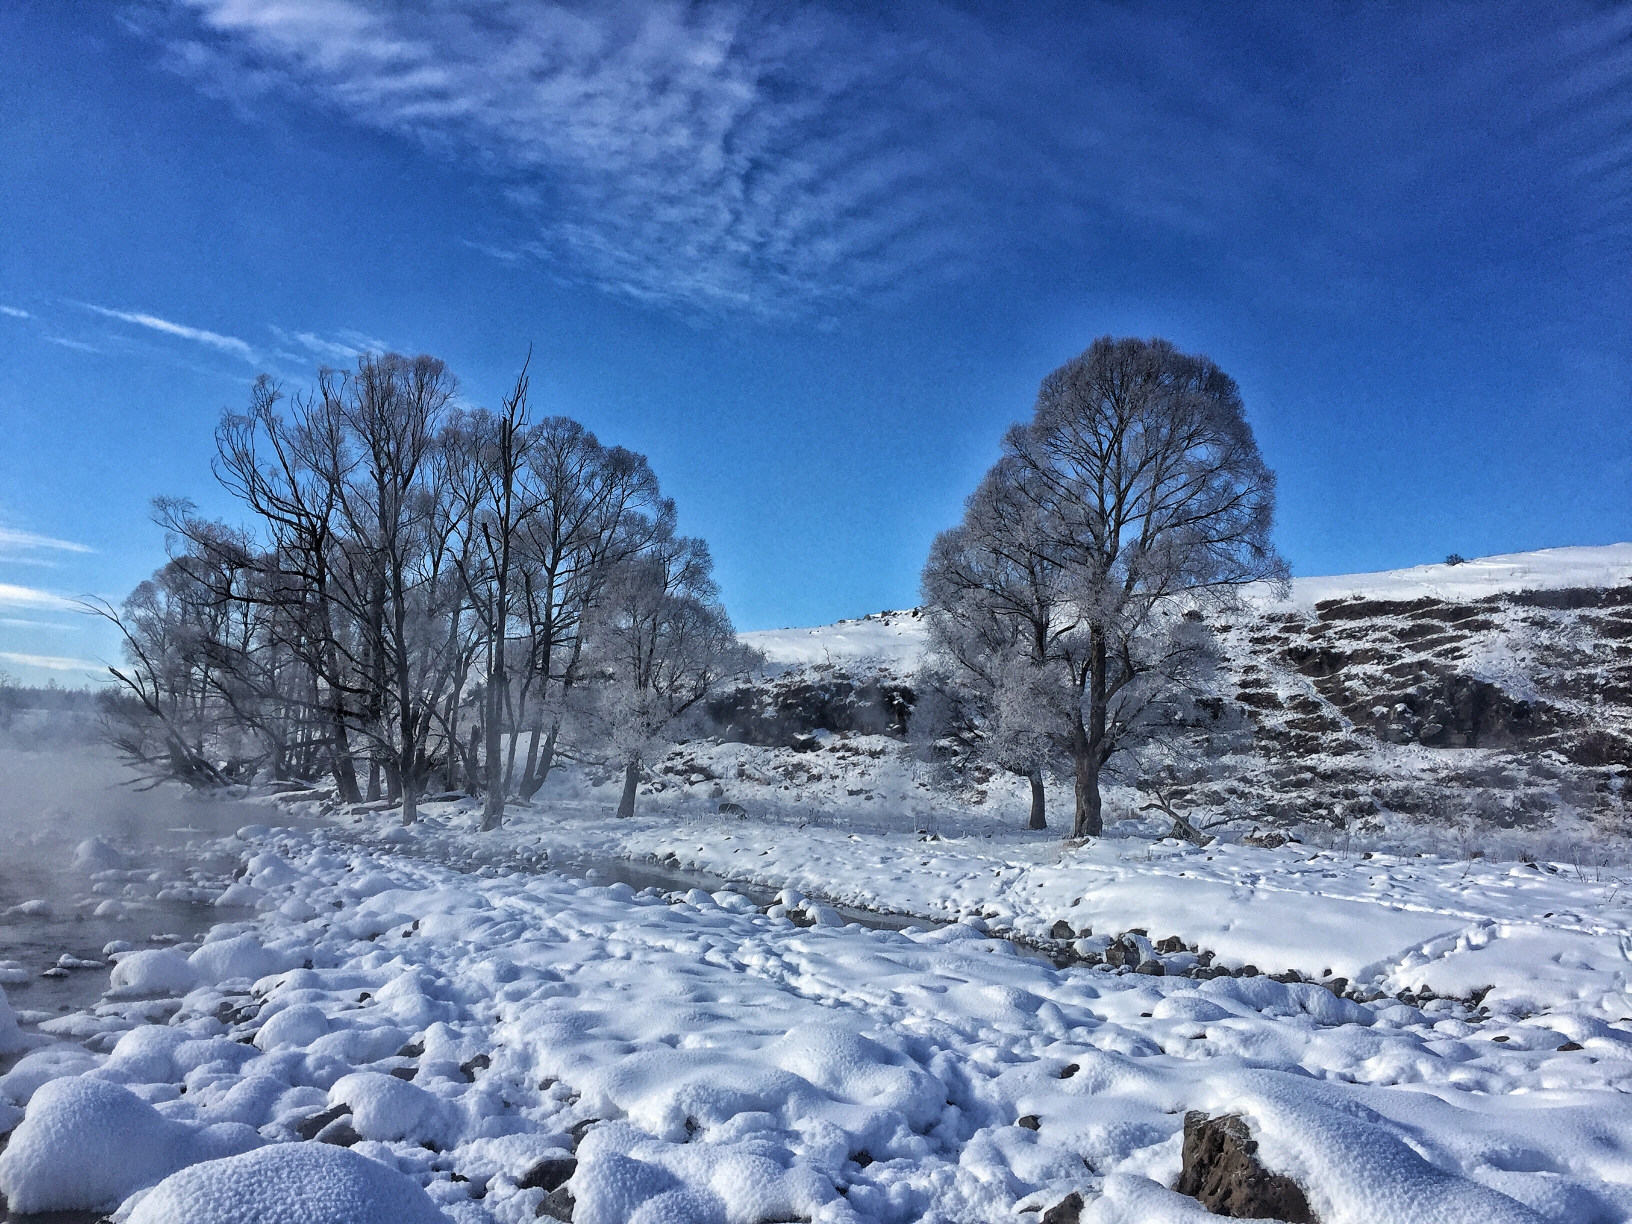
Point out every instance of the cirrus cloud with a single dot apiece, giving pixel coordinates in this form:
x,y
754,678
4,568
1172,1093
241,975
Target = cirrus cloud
x,y
10,538
49,662
215,340
742,156
13,596
715,155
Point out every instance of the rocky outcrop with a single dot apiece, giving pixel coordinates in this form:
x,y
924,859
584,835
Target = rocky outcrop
x,y
783,711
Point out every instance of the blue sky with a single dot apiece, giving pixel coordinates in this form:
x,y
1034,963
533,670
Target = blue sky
x,y
812,260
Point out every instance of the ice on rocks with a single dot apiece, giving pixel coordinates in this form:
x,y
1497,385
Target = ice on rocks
x,y
296,1183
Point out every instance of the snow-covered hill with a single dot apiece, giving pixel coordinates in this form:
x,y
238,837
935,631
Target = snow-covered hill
x,y
891,639
896,639
1491,694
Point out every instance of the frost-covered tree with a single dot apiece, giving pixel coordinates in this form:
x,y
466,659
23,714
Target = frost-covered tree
x,y
602,506
408,563
658,643
992,677
1133,501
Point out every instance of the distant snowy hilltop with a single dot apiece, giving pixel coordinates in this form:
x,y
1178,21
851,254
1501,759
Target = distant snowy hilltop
x,y
1494,693
896,639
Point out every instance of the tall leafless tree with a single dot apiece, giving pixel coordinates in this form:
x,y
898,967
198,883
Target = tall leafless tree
x,y
602,507
407,561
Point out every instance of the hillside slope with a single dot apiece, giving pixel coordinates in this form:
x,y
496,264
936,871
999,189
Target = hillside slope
x,y
1491,695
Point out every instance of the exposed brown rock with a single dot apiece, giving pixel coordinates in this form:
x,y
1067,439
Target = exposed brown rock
x,y
1222,1173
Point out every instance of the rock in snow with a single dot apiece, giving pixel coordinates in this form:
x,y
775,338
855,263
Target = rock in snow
x,y
242,956
1222,1173
95,854
295,1183
385,1107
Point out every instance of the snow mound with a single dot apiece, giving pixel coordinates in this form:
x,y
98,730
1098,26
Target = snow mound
x,y
239,957
292,1183
96,854
86,1145
155,971
239,894
42,1066
385,1107
294,1027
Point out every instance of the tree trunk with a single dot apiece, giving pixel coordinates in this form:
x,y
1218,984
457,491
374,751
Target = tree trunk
x,y
512,720
373,779
527,787
1088,744
473,778
493,811
498,684
1038,818
1089,821
546,759
345,772
345,780
631,779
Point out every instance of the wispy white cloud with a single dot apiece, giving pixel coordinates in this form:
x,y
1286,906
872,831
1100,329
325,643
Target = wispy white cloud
x,y
79,346
10,538
49,662
226,344
15,313
17,622
347,347
12,596
738,155
702,154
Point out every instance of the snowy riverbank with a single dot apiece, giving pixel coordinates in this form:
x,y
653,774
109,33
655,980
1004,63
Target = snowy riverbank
x,y
487,1034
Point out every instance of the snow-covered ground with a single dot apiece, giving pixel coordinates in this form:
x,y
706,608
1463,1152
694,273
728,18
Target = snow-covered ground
x,y
692,1057
436,1023
1546,569
891,639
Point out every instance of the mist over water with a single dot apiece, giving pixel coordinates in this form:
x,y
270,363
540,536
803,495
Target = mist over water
x,y
51,802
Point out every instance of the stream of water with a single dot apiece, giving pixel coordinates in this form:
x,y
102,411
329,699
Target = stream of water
x,y
50,803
